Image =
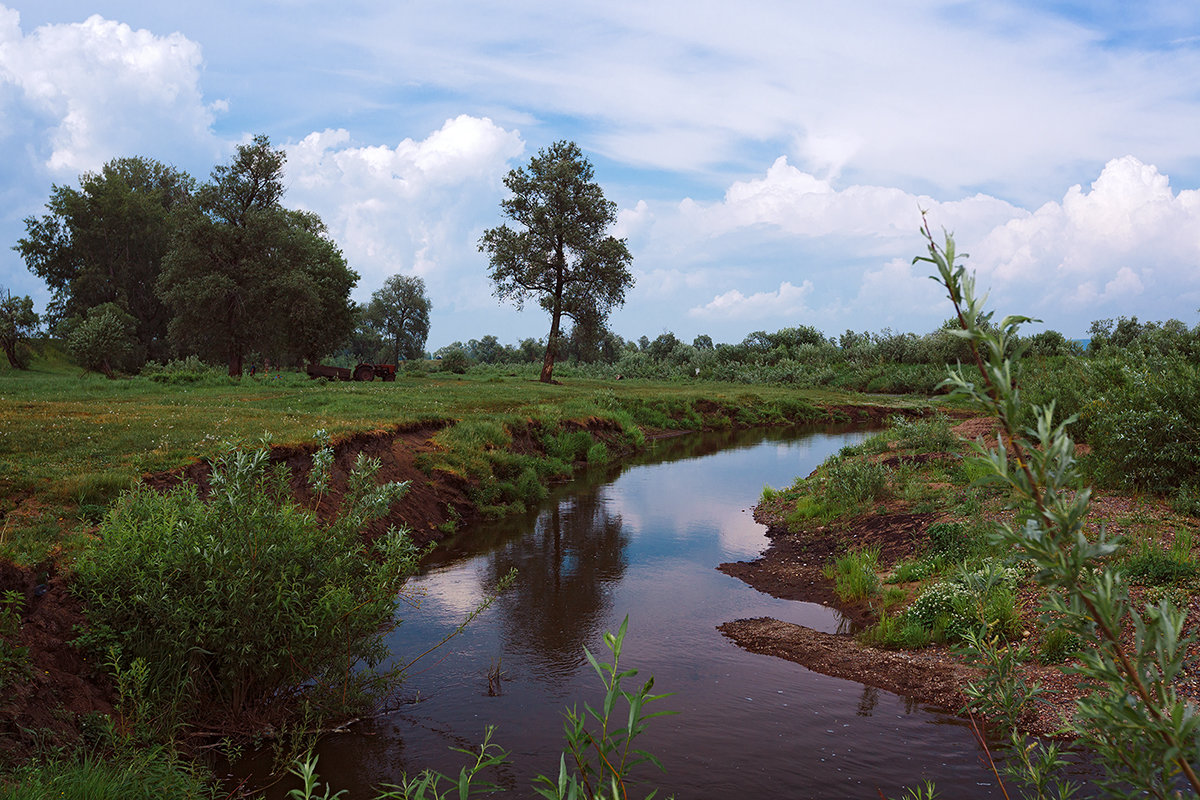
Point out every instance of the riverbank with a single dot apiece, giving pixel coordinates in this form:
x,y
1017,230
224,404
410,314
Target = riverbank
x,y
930,489
474,463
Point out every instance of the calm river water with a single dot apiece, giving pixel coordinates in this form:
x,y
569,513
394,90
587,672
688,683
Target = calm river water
x,y
642,540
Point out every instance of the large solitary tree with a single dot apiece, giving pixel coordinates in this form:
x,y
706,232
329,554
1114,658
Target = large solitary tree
x,y
105,242
247,275
560,252
399,311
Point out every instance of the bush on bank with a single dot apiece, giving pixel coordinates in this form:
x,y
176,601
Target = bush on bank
x,y
245,606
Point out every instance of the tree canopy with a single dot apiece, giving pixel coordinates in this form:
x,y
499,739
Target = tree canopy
x,y
247,275
399,311
105,243
560,253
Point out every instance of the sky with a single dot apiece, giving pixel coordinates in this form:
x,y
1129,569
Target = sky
x,y
770,160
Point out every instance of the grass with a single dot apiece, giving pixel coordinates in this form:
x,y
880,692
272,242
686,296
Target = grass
x,y
855,574
148,775
1147,563
70,440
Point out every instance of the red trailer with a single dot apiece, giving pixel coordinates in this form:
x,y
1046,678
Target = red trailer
x,y
361,372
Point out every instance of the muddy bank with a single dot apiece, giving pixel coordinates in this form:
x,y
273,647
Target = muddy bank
x,y
50,693
926,675
792,567
54,705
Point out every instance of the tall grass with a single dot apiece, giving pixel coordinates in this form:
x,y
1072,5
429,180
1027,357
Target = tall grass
x,y
855,574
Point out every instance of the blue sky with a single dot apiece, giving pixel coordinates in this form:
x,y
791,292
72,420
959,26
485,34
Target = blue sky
x,y
769,159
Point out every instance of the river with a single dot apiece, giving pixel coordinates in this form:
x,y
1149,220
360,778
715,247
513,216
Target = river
x,y
642,539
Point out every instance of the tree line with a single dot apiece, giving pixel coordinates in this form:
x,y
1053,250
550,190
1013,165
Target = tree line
x,y
146,264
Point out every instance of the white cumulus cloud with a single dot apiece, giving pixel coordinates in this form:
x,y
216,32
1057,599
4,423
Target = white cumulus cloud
x,y
414,207
98,89
1129,245
788,300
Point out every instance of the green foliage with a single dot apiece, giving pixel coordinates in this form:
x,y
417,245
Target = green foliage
x,y
909,570
969,601
103,340
853,481
153,773
17,323
953,541
925,434
244,274
1143,429
600,742
105,243
14,656
181,371
897,632
1133,696
560,254
399,313
245,602
570,445
1186,500
596,764
455,361
1058,645
855,574
1148,564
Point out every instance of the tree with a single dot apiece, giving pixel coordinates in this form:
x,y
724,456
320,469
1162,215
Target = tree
x,y
400,313
104,340
105,242
245,274
562,255
17,322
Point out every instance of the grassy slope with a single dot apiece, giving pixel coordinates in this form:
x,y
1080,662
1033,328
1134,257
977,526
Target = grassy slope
x,y
68,440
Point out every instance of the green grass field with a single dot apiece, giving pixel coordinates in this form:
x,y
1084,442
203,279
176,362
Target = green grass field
x,y
72,441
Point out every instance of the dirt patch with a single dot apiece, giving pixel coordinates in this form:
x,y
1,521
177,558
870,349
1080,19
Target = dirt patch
x,y
55,688
792,567
926,675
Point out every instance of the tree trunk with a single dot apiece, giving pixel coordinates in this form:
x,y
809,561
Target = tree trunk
x,y
555,315
15,356
548,361
235,364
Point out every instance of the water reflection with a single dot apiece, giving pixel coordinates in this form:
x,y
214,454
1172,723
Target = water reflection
x,y
643,540
565,568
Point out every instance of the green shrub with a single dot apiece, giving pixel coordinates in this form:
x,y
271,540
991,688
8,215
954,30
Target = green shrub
x,y
569,445
14,657
969,601
1186,500
1143,427
913,570
455,361
247,601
